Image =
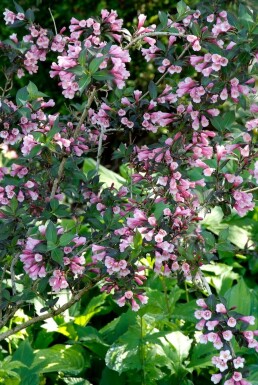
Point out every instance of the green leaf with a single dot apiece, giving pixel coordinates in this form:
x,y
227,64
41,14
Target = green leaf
x,y
102,76
54,203
77,70
95,63
92,339
33,91
24,353
181,7
201,356
29,15
84,82
61,358
82,57
163,17
65,239
57,256
51,233
177,347
153,89
94,307
137,240
54,130
124,354
18,8
243,298
22,96
159,208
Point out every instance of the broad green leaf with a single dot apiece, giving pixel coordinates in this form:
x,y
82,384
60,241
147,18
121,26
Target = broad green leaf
x,y
221,276
33,91
18,8
61,358
57,256
158,209
95,63
109,376
92,339
102,75
77,70
113,330
201,356
65,239
51,232
9,377
177,347
124,354
153,91
22,96
244,299
181,7
163,17
94,307
24,354
84,82
240,230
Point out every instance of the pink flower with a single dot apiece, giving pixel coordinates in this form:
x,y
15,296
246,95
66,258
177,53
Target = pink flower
x,y
220,308
141,20
238,362
248,319
215,378
227,335
231,322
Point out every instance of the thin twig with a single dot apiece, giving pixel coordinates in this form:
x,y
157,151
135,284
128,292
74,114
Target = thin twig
x,y
149,34
14,261
102,133
58,178
50,314
204,282
251,190
1,287
75,135
52,17
166,72
85,113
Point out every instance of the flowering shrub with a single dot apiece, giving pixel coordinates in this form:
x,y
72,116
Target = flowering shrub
x,y
65,229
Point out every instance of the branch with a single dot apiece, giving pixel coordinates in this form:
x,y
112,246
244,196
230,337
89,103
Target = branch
x,y
204,282
58,178
52,17
76,134
149,34
166,72
251,190
15,259
50,314
102,133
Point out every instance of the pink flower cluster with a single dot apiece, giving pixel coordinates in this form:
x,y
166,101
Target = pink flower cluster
x,y
74,51
39,264
221,325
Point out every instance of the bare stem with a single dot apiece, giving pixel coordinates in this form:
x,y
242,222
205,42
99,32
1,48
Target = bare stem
x,y
204,282
76,134
50,314
251,190
166,72
149,34
102,133
52,17
14,261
